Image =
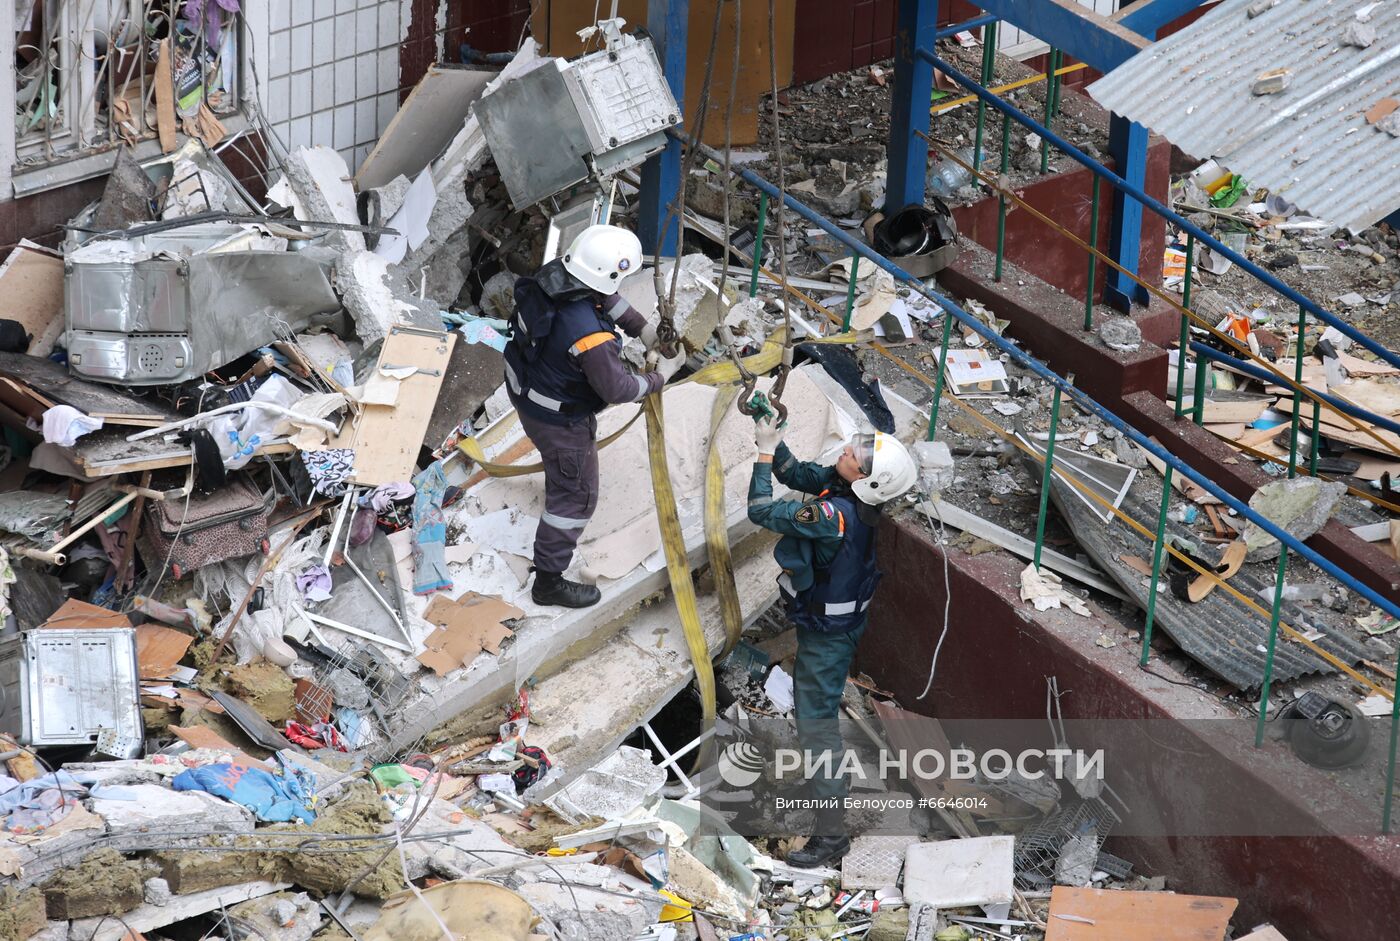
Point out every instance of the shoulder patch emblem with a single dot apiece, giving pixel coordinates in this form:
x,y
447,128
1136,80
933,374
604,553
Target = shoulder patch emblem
x,y
828,509
807,513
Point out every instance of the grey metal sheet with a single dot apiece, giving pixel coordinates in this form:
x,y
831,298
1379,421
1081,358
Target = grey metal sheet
x,y
1310,142
1220,632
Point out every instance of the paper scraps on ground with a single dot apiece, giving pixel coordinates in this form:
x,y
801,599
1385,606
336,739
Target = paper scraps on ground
x,y
778,689
1374,706
1044,590
509,530
466,627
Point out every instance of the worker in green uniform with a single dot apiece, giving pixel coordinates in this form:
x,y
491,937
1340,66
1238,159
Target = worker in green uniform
x,y
828,578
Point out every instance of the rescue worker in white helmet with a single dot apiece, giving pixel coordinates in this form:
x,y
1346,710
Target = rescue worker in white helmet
x,y
829,575
562,367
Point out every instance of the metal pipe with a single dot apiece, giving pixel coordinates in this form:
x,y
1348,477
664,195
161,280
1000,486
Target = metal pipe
x,y
989,53
851,292
1297,398
757,243
1083,401
1051,82
1045,478
1001,197
203,417
938,377
947,32
53,555
1183,345
1346,329
1273,646
1093,258
1198,395
1157,546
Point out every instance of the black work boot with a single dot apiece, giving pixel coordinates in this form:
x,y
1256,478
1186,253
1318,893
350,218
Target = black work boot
x,y
819,851
553,588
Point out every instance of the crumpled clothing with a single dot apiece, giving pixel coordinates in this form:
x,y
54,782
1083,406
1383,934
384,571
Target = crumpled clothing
x,y
385,496
315,583
64,425
196,10
329,470
430,572
274,798
39,803
317,735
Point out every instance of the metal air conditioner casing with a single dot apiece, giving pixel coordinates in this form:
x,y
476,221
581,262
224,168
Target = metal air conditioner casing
x,y
68,686
549,128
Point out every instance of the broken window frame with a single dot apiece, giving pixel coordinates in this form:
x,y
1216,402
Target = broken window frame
x,y
88,126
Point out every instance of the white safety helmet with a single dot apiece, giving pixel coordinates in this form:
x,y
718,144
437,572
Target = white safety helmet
x,y
602,255
889,468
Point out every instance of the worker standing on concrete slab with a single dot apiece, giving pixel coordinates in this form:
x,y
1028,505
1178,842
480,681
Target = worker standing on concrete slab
x,y
563,366
829,575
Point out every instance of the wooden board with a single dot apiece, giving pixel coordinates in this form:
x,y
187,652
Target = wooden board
x,y
387,438
106,453
165,99
31,283
1135,916
1219,412
425,123
1346,433
47,384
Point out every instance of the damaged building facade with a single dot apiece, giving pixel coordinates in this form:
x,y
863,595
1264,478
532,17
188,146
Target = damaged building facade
x,y
274,663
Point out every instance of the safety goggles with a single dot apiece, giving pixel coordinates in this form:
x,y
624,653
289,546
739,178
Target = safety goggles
x,y
863,449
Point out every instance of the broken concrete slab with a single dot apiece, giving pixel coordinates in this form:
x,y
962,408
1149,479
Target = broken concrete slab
x,y
285,916
190,872
146,918
953,873
152,808
362,280
1300,506
697,308
320,180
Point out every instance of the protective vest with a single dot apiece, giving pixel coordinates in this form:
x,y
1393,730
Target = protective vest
x,y
841,590
548,331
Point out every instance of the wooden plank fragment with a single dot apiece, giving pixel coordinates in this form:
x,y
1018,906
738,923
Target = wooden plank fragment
x,y
1104,915
165,99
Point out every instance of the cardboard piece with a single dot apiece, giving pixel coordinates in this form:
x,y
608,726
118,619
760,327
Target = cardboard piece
x,y
201,736
1104,915
31,281
75,614
159,649
466,627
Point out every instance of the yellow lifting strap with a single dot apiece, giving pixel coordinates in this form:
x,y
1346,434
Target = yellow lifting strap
x,y
717,525
715,374
678,568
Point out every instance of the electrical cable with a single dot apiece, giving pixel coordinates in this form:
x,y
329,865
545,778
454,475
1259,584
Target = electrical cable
x,y
947,597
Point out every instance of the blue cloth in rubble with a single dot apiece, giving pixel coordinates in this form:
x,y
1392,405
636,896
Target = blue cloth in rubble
x,y
430,572
274,798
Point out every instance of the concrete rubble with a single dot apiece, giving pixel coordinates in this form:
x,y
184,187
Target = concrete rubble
x,y
304,725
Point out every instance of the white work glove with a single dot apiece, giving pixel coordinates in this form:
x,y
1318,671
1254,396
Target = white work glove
x,y
669,366
648,336
768,434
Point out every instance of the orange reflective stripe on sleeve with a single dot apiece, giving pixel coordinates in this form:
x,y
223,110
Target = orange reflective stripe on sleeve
x,y
592,340
841,522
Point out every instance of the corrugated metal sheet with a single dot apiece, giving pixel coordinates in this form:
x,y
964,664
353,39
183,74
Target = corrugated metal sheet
x,y
1310,142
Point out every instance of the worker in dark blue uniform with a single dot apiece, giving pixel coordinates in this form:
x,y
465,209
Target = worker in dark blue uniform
x,y
828,579
563,367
